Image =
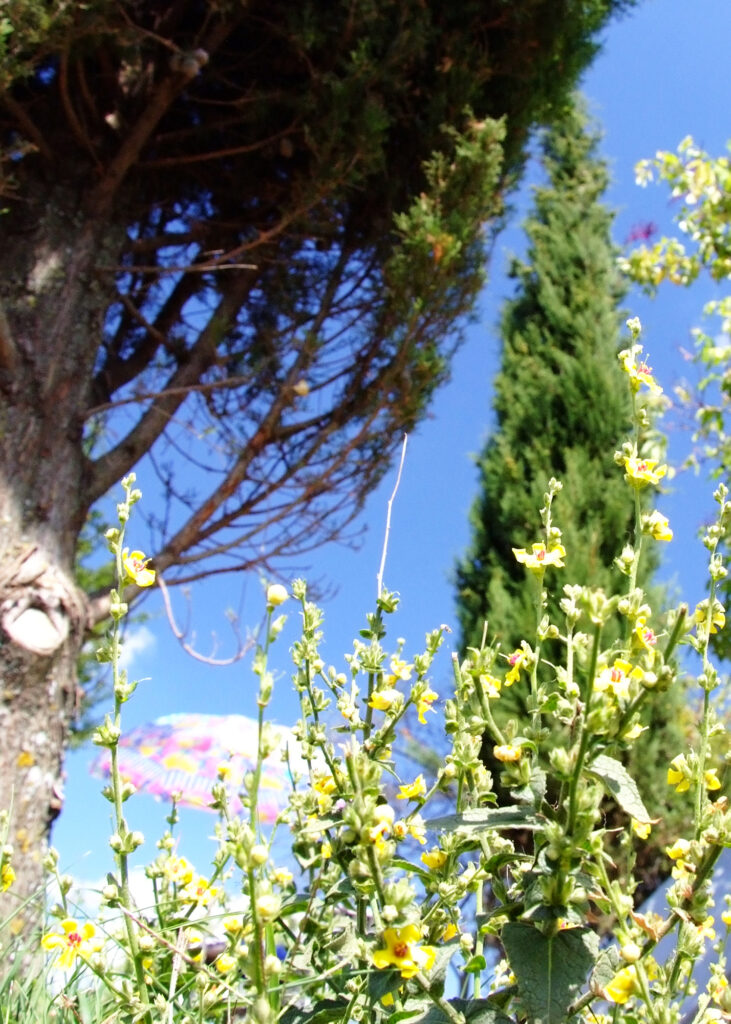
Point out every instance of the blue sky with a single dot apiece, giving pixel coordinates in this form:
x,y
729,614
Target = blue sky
x,y
663,73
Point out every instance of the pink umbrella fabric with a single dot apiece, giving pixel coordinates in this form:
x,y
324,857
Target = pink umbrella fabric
x,y
181,754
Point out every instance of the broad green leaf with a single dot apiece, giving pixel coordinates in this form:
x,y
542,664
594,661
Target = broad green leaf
x,y
619,783
479,819
550,971
608,963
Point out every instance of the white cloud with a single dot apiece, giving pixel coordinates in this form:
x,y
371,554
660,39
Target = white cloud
x,y
138,640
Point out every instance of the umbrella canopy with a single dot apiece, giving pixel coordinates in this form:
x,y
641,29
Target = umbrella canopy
x,y
181,754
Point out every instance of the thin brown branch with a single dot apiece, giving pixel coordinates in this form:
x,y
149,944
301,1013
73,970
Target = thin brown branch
x,y
244,646
165,240
128,154
217,154
77,129
150,396
27,127
116,371
188,268
109,468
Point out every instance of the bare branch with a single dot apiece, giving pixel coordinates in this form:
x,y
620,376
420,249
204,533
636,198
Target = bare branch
x,y
27,126
243,646
131,147
109,468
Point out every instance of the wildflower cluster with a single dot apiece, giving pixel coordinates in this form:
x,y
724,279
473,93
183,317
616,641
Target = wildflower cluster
x,y
400,883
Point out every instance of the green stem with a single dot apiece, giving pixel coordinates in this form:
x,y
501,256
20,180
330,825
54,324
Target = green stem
x,y
122,830
453,1015
585,735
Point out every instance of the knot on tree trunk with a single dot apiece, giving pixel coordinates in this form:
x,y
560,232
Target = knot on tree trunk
x,y
39,604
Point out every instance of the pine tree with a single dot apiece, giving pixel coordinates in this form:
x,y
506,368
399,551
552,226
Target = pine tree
x,y
562,409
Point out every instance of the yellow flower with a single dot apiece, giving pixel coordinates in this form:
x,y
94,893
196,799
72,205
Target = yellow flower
x,y
225,963
711,779
617,678
326,849
403,952
74,941
434,859
7,877
622,985
718,616
135,567
507,753
645,636
450,931
679,774
719,986
642,471
199,891
679,849
276,594
178,870
384,700
516,660
325,784
641,828
282,876
657,526
424,703
267,906
400,669
705,929
639,372
491,685
383,816
413,827
539,557
413,790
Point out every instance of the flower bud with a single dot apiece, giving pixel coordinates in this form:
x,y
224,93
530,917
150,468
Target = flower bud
x,y
276,595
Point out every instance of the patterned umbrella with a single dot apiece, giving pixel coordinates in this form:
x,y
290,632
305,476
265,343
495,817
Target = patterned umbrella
x,y
182,753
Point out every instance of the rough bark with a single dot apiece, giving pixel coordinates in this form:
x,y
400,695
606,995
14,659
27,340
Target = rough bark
x,y
51,305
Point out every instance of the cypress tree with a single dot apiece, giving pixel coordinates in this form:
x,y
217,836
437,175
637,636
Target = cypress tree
x,y
561,401
562,409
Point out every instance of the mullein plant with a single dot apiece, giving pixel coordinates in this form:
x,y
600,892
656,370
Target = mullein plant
x,y
380,897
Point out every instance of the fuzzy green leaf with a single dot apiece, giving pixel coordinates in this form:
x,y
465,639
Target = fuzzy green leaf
x,y
480,819
619,784
550,970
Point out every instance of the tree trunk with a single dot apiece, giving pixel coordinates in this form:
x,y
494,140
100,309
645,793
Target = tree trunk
x,y
51,316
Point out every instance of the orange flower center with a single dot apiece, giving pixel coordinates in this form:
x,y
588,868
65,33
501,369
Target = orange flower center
x,y
73,939
514,658
642,467
401,950
540,555
616,675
